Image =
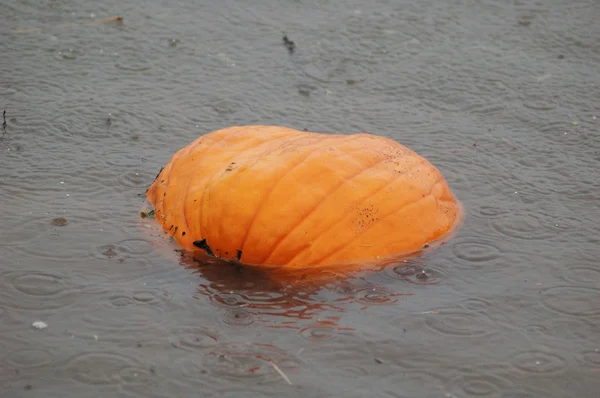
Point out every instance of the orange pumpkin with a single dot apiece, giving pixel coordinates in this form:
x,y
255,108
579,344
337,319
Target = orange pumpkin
x,y
275,196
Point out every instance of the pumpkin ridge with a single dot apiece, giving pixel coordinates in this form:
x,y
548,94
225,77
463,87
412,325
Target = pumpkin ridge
x,y
345,216
184,208
189,181
267,195
167,177
204,202
437,181
335,189
288,140
190,148
363,231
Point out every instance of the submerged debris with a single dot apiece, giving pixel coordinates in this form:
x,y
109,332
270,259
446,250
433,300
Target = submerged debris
x,y
144,214
60,222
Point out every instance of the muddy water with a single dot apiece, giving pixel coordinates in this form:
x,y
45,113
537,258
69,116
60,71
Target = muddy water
x,y
501,96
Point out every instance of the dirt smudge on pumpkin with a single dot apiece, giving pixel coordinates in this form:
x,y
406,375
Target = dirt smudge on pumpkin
x,y
203,244
366,216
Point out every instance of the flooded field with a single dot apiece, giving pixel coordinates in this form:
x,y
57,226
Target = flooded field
x,y
502,96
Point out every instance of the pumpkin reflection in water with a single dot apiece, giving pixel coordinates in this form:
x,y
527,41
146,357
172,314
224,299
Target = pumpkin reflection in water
x,y
301,300
289,200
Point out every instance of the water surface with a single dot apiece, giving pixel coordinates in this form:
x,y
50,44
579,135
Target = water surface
x,y
501,96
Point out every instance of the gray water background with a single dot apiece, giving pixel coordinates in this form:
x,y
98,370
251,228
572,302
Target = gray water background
x,y
502,96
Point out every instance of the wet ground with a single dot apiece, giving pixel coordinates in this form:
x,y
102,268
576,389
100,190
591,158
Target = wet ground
x,y
502,96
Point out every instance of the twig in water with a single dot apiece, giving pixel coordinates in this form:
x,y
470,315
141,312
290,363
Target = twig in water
x,y
290,45
508,142
281,373
4,116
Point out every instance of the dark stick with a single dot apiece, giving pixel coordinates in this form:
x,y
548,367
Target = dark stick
x,y
290,45
4,116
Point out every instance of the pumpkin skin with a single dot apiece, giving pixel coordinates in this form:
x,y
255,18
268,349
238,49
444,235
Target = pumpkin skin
x,y
279,197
